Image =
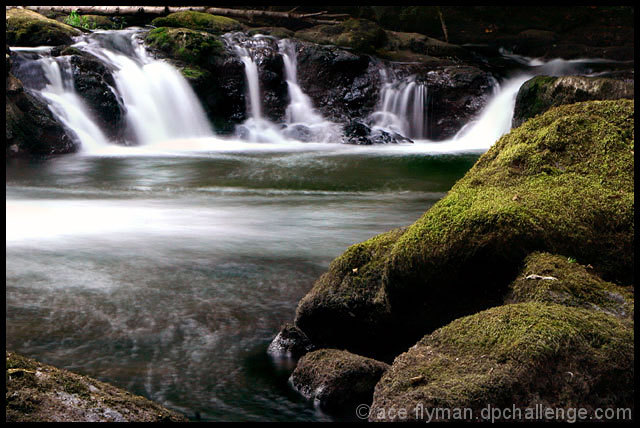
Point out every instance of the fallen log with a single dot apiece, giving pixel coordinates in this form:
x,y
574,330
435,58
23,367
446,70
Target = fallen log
x,y
312,18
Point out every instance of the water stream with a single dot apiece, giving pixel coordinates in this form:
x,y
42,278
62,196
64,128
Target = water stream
x,y
166,267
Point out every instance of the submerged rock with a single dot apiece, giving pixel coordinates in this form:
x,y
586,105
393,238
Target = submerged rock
x,y
563,182
543,92
512,356
337,380
28,28
290,342
39,392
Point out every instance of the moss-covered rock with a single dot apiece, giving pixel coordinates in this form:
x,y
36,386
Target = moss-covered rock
x,y
199,21
290,342
28,28
193,47
37,392
278,32
418,47
551,278
337,380
91,22
543,92
520,355
563,182
358,34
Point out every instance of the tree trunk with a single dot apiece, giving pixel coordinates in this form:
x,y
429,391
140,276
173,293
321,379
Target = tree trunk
x,y
165,10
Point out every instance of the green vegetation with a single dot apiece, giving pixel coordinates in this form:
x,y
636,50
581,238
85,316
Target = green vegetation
x,y
551,278
519,354
563,182
199,21
358,34
92,22
197,48
28,28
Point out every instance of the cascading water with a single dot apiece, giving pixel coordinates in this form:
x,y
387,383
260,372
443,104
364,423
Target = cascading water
x,y
65,103
402,108
160,103
300,114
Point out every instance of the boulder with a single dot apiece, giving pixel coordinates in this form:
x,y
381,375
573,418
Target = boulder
x,y
37,392
563,182
199,21
356,132
31,129
337,380
551,278
516,356
543,92
361,35
190,46
290,342
28,28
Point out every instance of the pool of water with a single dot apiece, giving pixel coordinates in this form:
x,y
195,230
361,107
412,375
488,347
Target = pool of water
x,y
169,274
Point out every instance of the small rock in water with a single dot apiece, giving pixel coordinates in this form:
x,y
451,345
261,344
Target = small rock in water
x,y
290,342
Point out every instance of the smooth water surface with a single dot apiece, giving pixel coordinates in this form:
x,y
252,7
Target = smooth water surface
x,y
169,275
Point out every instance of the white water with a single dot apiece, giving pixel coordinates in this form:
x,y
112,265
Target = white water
x,y
402,108
68,107
160,103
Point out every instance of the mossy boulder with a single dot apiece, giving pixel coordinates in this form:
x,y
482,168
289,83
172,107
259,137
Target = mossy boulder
x,y
190,46
28,28
520,355
358,34
92,22
290,342
550,278
418,47
278,32
199,21
337,380
563,182
539,94
37,392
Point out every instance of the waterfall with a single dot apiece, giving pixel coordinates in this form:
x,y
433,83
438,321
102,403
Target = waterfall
x,y
401,108
302,120
63,101
160,103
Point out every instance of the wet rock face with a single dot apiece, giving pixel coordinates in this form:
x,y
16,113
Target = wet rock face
x,y
95,84
356,132
337,380
39,392
543,92
290,342
31,129
341,84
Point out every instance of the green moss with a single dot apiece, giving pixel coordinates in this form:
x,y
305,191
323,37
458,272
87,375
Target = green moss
x,y
358,34
199,21
196,48
563,183
568,283
519,354
28,28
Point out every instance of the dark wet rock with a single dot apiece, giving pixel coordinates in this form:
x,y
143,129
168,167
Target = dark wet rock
x,y
95,84
358,133
562,182
543,92
512,356
37,392
341,84
28,28
31,129
290,342
337,380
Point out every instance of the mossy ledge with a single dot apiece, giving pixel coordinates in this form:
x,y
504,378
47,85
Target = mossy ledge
x,y
520,355
37,392
563,183
28,28
199,21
